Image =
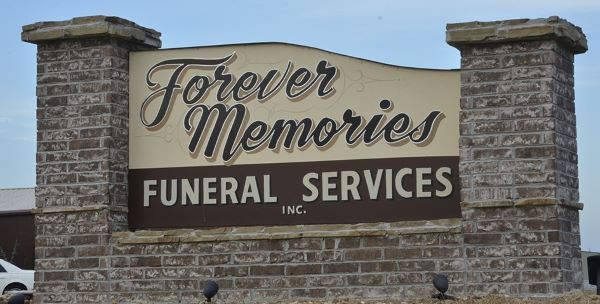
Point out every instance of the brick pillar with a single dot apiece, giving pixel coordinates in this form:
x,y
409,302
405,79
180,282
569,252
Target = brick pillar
x,y
518,155
82,151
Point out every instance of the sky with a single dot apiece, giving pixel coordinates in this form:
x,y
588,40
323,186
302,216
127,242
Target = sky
x,y
404,33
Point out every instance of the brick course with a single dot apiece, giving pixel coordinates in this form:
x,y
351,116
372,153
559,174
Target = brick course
x,y
363,266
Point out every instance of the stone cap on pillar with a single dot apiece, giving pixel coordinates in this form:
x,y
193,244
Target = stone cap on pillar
x,y
476,32
92,26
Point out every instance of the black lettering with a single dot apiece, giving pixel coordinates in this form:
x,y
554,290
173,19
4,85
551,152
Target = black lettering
x,y
246,82
222,114
167,91
328,72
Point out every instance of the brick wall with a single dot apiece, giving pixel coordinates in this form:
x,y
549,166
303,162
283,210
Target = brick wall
x,y
82,154
518,122
518,155
81,164
519,232
525,250
250,271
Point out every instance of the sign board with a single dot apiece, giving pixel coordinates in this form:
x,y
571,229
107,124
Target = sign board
x,y
279,134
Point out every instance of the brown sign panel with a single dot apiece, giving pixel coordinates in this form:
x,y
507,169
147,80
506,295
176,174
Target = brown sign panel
x,y
275,134
331,192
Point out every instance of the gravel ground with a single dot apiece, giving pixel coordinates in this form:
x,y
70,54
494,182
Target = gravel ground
x,y
571,298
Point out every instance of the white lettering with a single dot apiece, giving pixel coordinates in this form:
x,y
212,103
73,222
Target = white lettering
x,y
149,192
389,191
267,197
445,181
250,190
163,192
422,181
399,187
327,184
350,186
314,191
190,193
208,189
373,185
228,187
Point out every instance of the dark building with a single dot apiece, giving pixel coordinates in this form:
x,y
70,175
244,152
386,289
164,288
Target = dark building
x,y
17,226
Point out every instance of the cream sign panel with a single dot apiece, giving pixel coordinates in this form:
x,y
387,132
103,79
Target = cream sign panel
x,y
283,132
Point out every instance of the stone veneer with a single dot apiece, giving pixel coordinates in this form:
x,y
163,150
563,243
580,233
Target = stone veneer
x,y
82,151
519,233
517,149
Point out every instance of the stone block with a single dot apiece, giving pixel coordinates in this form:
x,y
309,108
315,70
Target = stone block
x,y
483,238
214,259
366,279
325,256
526,238
478,89
363,254
251,258
494,101
180,260
472,63
404,278
231,271
516,30
492,153
326,281
534,72
309,293
341,243
287,257
145,261
479,76
402,253
495,225
84,263
181,285
498,276
303,269
268,270
95,26
479,115
442,252
492,180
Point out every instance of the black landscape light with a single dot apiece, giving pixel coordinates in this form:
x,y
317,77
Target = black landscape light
x,y
17,299
210,289
593,263
440,282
